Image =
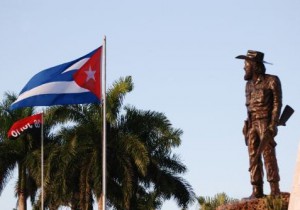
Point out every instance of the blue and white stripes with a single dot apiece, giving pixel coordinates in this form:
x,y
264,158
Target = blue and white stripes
x,y
56,86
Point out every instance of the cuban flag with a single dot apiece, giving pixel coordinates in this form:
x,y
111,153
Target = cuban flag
x,y
75,82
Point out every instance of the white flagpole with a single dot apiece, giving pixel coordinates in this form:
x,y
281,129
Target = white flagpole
x,y
104,128
42,162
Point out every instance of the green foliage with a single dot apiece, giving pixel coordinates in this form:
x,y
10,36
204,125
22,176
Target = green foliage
x,y
14,153
211,203
274,203
142,170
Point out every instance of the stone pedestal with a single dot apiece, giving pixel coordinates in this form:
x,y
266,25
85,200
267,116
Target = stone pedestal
x,y
256,204
295,194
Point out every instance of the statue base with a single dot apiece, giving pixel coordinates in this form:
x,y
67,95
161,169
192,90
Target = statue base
x,y
264,203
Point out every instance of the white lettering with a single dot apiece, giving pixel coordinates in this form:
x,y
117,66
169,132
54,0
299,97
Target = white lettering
x,y
14,133
25,127
29,126
37,123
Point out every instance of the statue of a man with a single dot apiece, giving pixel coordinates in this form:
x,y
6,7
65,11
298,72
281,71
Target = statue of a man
x,y
263,102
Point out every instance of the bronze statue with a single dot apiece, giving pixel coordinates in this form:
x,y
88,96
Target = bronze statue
x,y
263,102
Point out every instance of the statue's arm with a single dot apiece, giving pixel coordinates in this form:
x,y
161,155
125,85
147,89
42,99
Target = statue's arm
x,y
277,104
277,100
247,122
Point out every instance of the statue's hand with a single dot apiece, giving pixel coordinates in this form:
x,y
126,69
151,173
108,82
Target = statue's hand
x,y
245,131
273,129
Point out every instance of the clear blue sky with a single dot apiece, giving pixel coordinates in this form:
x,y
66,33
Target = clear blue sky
x,y
181,57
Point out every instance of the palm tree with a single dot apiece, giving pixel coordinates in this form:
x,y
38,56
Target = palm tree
x,y
85,138
141,169
54,150
211,203
14,152
151,131
154,130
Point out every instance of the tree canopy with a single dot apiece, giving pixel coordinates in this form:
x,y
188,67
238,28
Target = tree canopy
x,y
142,170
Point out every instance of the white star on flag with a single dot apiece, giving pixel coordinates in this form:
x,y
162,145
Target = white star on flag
x,y
90,74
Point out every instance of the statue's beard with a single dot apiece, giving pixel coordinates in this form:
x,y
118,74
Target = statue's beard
x,y
248,75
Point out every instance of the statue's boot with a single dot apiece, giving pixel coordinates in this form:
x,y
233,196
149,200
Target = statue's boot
x,y
275,191
257,192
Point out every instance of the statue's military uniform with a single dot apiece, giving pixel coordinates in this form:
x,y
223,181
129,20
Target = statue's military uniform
x,y
263,102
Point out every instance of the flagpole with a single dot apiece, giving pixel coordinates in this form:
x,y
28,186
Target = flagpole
x,y
42,162
104,128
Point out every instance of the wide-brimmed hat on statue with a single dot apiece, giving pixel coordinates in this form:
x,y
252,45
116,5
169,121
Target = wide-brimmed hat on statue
x,y
253,55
